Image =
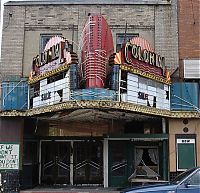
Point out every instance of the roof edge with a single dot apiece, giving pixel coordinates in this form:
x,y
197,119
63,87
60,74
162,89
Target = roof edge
x,y
88,2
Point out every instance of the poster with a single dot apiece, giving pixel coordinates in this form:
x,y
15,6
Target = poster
x,y
9,156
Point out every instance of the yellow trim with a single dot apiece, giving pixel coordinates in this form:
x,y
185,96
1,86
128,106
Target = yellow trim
x,y
48,74
113,105
144,74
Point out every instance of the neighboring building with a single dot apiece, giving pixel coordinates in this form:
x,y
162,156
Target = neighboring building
x,y
184,134
86,100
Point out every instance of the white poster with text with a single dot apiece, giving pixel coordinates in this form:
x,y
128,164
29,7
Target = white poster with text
x,y
9,156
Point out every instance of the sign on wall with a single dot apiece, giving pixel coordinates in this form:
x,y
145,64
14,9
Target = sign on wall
x,y
185,153
137,56
56,54
9,156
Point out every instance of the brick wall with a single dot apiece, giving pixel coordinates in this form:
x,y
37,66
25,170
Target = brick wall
x,y
166,36
12,41
189,28
156,23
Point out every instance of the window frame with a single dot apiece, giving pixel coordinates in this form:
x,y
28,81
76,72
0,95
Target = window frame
x,y
42,43
190,139
128,36
195,176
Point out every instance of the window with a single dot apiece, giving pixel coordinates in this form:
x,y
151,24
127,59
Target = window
x,y
192,69
122,38
195,179
147,162
44,38
185,153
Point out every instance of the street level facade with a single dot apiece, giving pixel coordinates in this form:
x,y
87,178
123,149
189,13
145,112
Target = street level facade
x,y
95,97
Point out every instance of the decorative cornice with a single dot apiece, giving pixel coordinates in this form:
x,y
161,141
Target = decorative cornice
x,y
100,105
185,114
113,105
48,74
13,113
144,74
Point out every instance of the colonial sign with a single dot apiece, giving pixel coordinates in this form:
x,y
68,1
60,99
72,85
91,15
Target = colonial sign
x,y
9,156
133,52
138,56
57,53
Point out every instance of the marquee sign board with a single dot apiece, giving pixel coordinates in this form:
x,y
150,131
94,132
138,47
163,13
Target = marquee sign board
x,y
144,91
9,156
52,93
50,76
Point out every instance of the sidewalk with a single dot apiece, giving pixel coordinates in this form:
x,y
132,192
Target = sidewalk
x,y
72,190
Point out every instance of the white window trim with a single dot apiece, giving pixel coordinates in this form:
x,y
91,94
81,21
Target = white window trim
x,y
191,68
180,141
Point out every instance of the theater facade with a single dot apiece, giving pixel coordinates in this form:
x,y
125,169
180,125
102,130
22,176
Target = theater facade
x,y
91,111
85,130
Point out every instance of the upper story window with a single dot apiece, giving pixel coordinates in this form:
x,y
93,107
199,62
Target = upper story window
x,y
122,38
192,69
44,38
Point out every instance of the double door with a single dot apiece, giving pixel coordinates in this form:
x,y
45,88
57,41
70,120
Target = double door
x,y
71,162
55,166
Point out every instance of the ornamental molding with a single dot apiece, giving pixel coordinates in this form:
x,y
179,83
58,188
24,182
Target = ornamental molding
x,y
112,105
48,74
144,74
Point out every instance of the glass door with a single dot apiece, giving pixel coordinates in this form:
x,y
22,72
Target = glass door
x,y
55,166
88,162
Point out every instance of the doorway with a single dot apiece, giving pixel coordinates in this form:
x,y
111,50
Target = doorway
x,y
88,162
120,162
55,162
86,165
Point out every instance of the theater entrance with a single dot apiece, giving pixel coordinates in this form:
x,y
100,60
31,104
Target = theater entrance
x,y
88,162
72,162
55,162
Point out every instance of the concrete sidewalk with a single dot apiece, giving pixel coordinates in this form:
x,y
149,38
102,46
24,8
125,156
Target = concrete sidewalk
x,y
72,190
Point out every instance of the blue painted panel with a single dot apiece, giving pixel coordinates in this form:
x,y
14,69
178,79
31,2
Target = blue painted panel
x,y
93,94
14,95
73,76
115,78
184,96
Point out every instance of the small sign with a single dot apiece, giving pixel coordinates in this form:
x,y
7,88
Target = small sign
x,y
9,156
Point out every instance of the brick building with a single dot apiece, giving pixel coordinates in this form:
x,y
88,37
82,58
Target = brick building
x,y
86,140
189,74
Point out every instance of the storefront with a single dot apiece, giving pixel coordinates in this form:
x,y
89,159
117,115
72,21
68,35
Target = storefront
x,y
100,152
